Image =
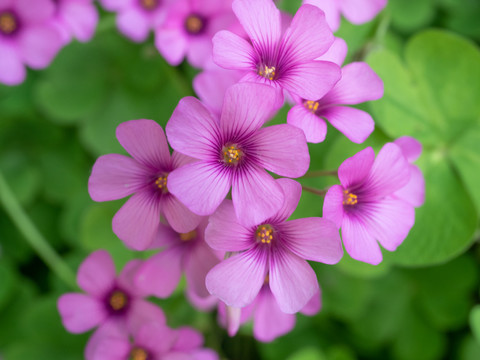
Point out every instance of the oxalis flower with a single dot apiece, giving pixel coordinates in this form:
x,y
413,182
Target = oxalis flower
x,y
364,205
109,301
145,176
75,18
275,247
27,37
234,153
283,61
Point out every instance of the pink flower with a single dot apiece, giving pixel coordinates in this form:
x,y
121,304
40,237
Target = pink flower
x,y
283,60
150,341
269,322
27,37
109,301
136,18
189,28
145,176
185,252
358,84
76,18
364,205
234,153
414,191
356,11
275,247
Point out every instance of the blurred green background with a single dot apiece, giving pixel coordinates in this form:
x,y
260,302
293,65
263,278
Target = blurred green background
x,y
420,303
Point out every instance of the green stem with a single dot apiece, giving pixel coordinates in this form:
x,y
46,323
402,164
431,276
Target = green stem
x,y
33,236
318,173
315,191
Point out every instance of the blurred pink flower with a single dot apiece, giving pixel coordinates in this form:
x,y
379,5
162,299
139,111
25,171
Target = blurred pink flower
x,y
75,18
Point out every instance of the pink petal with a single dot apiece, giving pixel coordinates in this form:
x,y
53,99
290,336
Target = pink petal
x,y
39,44
201,259
312,79
113,5
34,11
256,196
165,237
111,349
133,24
237,280
199,51
115,176
111,328
414,191
390,172
201,303
359,83
126,278
333,205
314,127
204,354
224,233
172,44
313,239
137,221
156,337
356,168
309,35
12,71
96,275
142,312
411,147
193,131
292,191
82,19
358,242
180,218
246,108
201,186
282,149
269,321
337,52
361,11
331,10
260,19
313,306
80,312
233,316
356,125
389,221
188,339
292,281
146,142
5,3
161,274
230,51
178,159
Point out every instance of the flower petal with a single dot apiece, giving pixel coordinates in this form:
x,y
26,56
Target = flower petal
x,y
179,217
133,24
333,205
156,337
292,281
188,339
237,280
356,125
34,11
201,186
110,348
331,9
313,239
337,52
314,127
356,168
308,36
82,18
96,274
142,312
230,51
361,11
137,221
414,191
256,196
115,176
12,71
39,44
292,191
282,149
80,312
193,131
313,306
312,79
146,142
199,261
224,232
171,44
411,147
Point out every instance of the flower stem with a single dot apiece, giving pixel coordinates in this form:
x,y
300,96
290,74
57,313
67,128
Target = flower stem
x,y
314,191
318,173
33,236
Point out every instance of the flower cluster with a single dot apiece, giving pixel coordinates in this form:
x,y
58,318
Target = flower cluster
x,y
219,207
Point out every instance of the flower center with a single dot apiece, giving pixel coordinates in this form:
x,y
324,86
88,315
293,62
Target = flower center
x,y
232,154
8,23
311,105
264,234
149,4
349,198
138,353
188,236
118,300
268,72
194,24
161,183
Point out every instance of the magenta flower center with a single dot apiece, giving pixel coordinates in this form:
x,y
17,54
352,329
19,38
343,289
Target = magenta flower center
x,y
311,105
264,234
349,198
118,301
232,154
194,24
149,4
138,353
161,183
188,236
268,72
8,23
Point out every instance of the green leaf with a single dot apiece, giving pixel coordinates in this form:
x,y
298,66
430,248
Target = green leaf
x,y
475,322
410,15
7,282
309,353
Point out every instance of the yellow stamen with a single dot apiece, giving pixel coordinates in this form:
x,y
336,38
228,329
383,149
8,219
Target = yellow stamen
x,y
267,72
232,154
264,234
118,300
138,354
349,198
188,236
267,279
161,183
8,24
311,105
149,4
194,24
